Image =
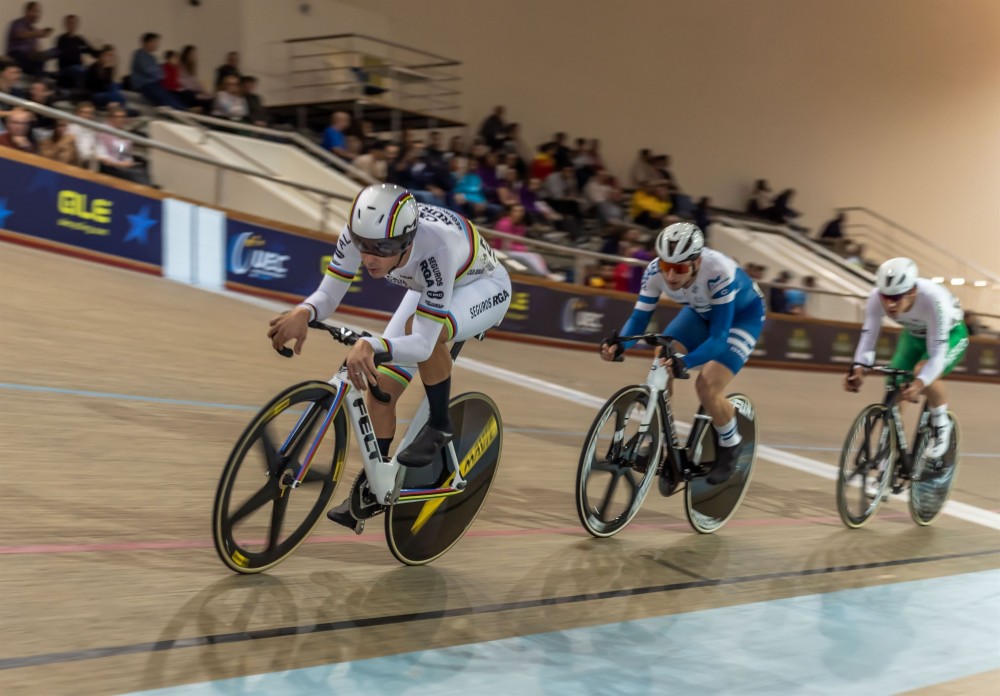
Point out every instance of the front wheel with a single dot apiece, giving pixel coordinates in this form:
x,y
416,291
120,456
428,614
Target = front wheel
x,y
930,492
618,450
866,466
263,509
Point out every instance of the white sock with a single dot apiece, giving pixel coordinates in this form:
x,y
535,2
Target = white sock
x,y
729,434
939,415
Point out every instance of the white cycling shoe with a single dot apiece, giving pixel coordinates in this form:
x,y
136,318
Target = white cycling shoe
x,y
940,439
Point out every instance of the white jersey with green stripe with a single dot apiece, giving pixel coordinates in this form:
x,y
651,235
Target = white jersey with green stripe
x,y
447,252
935,312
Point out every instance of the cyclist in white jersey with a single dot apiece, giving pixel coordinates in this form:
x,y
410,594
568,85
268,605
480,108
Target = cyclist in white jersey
x,y
456,290
933,340
718,327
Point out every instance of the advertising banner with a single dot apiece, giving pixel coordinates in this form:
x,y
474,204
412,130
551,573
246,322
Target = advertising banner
x,y
48,205
288,264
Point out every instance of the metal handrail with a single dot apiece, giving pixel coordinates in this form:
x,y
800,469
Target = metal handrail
x,y
444,62
153,144
923,241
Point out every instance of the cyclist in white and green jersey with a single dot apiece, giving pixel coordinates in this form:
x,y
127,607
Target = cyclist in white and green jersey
x,y
933,341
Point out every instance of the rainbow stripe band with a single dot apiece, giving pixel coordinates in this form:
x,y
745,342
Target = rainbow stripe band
x,y
390,223
339,274
444,318
396,373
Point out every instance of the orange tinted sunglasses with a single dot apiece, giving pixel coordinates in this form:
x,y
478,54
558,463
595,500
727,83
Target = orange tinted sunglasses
x,y
678,268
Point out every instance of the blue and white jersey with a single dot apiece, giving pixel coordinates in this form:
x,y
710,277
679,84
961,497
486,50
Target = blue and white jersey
x,y
719,282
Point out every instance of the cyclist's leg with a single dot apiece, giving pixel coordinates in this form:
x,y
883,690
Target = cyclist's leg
x,y
937,394
689,331
393,379
713,381
475,308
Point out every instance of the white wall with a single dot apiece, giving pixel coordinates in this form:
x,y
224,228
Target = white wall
x,y
890,104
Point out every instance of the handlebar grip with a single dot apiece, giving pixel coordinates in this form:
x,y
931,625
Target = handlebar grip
x,y
379,395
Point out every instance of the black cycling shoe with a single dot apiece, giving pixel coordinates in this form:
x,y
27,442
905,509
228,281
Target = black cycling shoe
x,y
425,445
342,514
725,463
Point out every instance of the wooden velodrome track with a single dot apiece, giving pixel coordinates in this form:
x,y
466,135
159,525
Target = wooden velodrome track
x,y
110,583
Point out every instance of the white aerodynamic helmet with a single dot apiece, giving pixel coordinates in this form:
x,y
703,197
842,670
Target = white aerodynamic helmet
x,y
383,220
896,276
680,242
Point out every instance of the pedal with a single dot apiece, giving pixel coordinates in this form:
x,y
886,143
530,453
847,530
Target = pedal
x,y
359,527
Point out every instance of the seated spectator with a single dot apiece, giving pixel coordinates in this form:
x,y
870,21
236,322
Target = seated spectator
x,y
834,228
10,79
70,49
434,152
470,196
544,162
40,92
561,192
191,91
61,146
100,80
701,215
536,209
84,138
561,156
229,102
777,297
661,169
230,67
18,133
781,211
114,153
22,41
147,75
649,204
334,138
456,148
373,163
512,222
171,72
760,198
603,197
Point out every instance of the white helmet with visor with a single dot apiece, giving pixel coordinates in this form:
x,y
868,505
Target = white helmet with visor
x,y
383,220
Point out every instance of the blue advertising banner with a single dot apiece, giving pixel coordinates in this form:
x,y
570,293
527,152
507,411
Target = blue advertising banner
x,y
283,262
60,208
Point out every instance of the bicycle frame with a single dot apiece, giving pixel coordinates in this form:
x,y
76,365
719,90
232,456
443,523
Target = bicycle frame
x,y
906,456
385,479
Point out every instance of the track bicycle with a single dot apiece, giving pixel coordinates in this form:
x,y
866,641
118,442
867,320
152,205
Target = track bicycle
x,y
633,439
875,461
286,466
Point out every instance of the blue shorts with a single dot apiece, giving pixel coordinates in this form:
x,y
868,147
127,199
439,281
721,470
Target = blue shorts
x,y
690,329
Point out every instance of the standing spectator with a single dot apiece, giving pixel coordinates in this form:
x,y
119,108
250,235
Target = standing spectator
x,y
84,138
334,136
192,92
777,298
61,147
18,135
70,48
514,144
561,156
22,41
229,101
492,130
256,113
642,171
100,80
114,153
760,198
230,67
147,75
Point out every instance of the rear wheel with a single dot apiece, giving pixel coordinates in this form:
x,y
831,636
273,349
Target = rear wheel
x,y
618,462
710,506
260,516
929,494
419,532
866,466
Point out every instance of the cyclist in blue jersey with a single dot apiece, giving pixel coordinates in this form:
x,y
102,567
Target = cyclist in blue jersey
x,y
716,330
